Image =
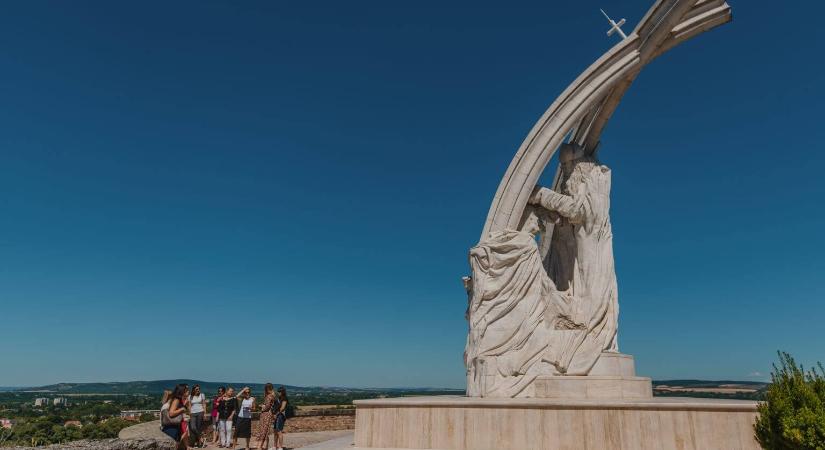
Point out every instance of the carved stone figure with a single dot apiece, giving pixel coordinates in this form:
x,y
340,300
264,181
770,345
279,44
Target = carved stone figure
x,y
537,315
580,259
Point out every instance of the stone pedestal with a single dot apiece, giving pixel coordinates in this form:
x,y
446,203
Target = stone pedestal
x,y
613,377
594,387
463,423
614,364
611,409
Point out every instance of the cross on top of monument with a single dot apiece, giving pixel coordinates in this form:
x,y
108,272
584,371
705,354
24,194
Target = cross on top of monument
x,y
614,27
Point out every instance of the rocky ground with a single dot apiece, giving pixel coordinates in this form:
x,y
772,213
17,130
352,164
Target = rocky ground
x,y
151,430
309,439
109,444
300,432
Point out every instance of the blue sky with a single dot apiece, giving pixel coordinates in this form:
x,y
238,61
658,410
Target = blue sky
x,y
286,191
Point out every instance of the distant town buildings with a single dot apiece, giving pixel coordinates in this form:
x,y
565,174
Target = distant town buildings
x,y
57,401
136,413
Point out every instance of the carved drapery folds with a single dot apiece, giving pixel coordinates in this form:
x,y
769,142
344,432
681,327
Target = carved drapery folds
x,y
522,324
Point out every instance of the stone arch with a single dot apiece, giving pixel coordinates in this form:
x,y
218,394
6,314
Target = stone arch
x,y
588,103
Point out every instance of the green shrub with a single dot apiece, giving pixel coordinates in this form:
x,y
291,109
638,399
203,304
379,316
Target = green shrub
x,y
792,417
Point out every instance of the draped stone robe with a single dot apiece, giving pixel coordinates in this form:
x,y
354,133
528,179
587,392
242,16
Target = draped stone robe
x,y
508,335
522,325
580,262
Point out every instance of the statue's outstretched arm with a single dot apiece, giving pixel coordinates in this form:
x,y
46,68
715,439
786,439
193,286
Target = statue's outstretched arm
x,y
565,205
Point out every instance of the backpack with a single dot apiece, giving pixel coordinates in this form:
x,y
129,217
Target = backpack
x,y
289,412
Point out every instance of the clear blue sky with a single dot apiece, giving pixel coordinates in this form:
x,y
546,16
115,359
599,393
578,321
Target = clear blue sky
x,y
286,191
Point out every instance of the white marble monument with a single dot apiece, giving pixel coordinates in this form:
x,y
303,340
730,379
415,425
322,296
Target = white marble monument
x,y
544,369
546,312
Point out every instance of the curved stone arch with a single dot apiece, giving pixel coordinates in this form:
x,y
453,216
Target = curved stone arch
x,y
585,107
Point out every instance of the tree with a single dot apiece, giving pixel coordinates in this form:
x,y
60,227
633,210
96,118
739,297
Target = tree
x,y
5,436
792,417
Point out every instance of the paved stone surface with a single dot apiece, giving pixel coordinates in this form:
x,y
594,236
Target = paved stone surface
x,y
305,440
345,442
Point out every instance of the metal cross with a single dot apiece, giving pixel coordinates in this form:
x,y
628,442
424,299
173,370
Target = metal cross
x,y
614,27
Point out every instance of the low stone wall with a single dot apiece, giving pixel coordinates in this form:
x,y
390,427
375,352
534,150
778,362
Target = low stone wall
x,y
464,423
325,412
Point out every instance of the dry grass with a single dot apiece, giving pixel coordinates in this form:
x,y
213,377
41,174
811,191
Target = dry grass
x,y
319,423
314,423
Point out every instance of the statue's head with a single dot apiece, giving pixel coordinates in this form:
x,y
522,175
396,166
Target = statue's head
x,y
569,155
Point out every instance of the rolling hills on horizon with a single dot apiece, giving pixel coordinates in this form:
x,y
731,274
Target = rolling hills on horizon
x,y
155,387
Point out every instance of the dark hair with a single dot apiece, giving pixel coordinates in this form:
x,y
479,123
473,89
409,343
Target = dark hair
x,y
282,393
268,389
222,389
179,392
197,386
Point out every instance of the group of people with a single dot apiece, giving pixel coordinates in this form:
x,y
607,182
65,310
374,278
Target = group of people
x,y
183,413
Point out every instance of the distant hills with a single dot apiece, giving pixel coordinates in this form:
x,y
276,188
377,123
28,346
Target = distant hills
x,y
744,390
10,388
156,387
709,384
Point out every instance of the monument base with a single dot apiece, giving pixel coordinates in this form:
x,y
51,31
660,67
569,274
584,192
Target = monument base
x,y
594,387
464,423
613,377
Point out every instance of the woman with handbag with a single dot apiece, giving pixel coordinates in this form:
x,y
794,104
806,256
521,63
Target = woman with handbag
x,y
171,415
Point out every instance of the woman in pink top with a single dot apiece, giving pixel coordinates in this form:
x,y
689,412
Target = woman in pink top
x,y
215,402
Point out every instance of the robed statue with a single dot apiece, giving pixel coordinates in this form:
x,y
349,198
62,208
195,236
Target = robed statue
x,y
549,311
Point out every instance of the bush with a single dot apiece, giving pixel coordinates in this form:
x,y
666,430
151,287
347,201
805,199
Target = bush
x,y
792,417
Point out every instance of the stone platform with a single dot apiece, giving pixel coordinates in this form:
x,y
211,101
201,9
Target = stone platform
x,y
463,423
613,377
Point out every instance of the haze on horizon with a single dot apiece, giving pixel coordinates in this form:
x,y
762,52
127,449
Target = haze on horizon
x,y
287,192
